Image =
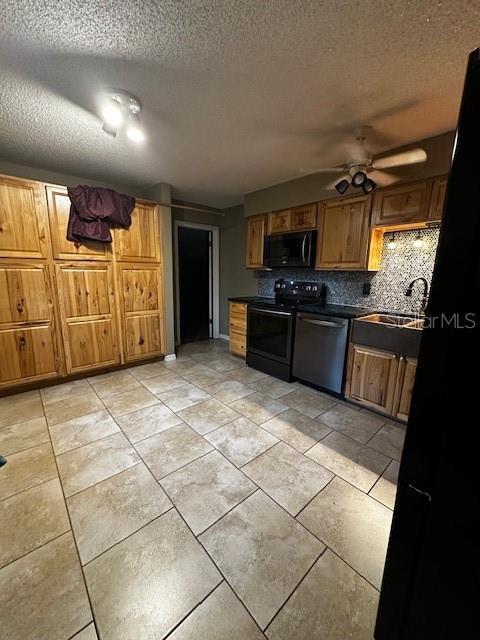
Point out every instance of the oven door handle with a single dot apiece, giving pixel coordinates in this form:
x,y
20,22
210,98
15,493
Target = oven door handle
x,y
304,242
272,313
320,323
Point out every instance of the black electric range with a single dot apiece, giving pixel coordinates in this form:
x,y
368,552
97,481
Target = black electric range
x,y
271,325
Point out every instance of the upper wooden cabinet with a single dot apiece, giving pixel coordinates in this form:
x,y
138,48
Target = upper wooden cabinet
x,y
344,237
294,219
27,335
304,217
141,293
141,242
279,222
59,211
24,229
87,308
439,192
254,243
405,204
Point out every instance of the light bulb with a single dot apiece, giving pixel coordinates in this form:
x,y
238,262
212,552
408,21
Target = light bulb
x,y
112,113
134,131
418,242
392,243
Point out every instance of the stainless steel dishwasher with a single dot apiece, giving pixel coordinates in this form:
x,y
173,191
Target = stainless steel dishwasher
x,y
319,350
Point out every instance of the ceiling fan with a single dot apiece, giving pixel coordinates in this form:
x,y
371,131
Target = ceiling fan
x,y
365,172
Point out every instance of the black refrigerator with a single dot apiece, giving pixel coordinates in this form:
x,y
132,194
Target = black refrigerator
x,y
431,584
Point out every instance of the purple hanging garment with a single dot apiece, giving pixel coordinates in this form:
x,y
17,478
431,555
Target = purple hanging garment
x,y
93,209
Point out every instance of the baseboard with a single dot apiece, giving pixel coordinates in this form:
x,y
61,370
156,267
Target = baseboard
x,y
170,358
222,336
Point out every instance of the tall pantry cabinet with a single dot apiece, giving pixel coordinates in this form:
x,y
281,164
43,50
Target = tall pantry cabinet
x,y
68,308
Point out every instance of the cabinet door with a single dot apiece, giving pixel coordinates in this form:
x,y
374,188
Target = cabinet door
x,y
279,221
58,212
439,192
402,205
344,234
372,377
304,217
403,391
141,242
255,237
88,315
238,328
142,310
23,221
27,335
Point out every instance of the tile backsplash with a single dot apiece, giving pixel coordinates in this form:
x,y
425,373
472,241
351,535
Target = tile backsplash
x,y
398,268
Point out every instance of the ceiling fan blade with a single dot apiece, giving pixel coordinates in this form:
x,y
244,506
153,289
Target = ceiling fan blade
x,y
382,178
414,156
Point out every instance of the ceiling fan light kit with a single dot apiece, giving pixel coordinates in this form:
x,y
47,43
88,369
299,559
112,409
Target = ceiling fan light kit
x,y
120,110
357,169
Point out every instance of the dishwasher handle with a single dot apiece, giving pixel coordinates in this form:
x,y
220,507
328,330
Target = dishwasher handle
x,y
320,323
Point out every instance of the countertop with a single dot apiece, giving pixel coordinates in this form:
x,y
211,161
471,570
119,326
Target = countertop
x,y
338,310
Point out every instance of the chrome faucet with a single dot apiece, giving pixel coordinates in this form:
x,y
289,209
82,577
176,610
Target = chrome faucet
x,y
409,291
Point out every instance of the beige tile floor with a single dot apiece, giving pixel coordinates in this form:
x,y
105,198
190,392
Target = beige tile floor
x,y
192,499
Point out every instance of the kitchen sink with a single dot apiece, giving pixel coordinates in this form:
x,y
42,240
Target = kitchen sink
x,y
389,319
389,332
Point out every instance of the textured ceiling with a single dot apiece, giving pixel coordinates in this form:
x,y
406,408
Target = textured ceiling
x,y
237,94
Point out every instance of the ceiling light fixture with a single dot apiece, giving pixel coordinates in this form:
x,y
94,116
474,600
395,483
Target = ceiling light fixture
x,y
342,186
369,185
121,109
134,131
418,242
358,178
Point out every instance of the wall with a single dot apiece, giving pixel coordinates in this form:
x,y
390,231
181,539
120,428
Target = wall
x,y
312,188
398,268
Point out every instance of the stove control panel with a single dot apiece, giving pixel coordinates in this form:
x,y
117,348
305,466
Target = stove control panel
x,y
300,289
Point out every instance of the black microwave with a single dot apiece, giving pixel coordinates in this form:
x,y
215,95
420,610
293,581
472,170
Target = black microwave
x,y
290,249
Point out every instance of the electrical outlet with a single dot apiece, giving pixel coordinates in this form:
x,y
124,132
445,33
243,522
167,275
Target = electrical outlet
x,y
366,289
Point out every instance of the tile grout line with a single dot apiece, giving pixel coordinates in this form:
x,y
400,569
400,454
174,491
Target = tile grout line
x,y
72,531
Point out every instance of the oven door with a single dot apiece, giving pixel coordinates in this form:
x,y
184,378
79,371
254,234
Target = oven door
x,y
270,333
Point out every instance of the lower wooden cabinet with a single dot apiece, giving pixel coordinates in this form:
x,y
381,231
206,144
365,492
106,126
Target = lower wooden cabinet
x,y
141,310
238,329
88,318
403,392
380,380
28,346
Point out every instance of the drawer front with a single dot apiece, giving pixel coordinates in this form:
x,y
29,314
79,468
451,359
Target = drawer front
x,y
238,344
238,324
238,308
27,353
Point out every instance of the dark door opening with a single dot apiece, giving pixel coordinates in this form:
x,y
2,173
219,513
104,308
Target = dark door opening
x,y
194,283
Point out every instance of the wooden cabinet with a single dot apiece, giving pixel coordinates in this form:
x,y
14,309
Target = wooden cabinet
x,y
279,222
141,292
87,309
372,376
294,219
403,205
58,212
141,242
404,387
345,240
28,346
439,192
304,217
24,229
238,328
254,242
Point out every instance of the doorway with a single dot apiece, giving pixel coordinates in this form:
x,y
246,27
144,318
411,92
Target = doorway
x,y
196,280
